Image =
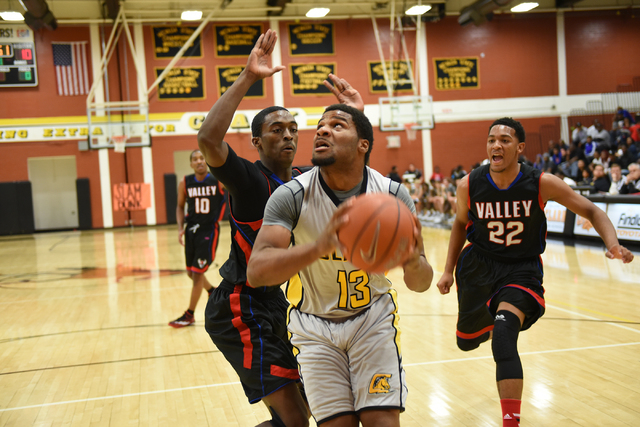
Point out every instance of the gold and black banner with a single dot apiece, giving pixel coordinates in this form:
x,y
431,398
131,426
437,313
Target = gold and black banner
x,y
398,76
311,39
167,41
307,79
229,74
456,73
236,40
181,84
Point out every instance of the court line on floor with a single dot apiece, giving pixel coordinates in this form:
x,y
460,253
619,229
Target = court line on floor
x,y
595,318
146,393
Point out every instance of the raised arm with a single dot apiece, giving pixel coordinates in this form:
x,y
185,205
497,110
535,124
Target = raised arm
x,y
344,92
216,124
458,236
553,188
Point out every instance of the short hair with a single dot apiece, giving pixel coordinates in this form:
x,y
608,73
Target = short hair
x,y
258,120
363,125
192,153
513,124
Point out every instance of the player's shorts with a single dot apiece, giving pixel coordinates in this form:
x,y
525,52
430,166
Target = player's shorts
x,y
248,326
483,283
350,365
200,246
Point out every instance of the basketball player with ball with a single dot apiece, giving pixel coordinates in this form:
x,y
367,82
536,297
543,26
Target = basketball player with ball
x,y
343,320
499,273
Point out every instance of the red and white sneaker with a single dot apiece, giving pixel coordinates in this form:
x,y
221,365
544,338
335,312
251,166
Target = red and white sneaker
x,y
185,320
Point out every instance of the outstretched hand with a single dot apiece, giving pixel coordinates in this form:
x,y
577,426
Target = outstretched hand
x,y
258,62
620,252
344,92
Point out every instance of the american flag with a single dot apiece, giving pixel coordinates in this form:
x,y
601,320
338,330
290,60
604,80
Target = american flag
x,y
70,60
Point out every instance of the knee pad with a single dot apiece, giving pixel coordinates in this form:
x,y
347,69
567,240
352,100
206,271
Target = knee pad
x,y
505,346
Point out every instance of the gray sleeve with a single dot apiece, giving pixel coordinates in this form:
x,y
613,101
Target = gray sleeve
x,y
402,193
283,207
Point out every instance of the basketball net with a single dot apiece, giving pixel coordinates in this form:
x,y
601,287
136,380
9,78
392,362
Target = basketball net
x,y
119,143
411,132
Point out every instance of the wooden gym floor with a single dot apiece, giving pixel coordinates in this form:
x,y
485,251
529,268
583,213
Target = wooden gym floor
x,y
84,340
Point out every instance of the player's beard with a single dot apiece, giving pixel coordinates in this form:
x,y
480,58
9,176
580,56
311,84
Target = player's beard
x,y
323,161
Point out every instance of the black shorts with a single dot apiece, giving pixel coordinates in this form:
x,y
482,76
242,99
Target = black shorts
x,y
483,283
249,328
200,246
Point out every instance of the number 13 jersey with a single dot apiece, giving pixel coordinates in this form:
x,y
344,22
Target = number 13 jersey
x,y
507,225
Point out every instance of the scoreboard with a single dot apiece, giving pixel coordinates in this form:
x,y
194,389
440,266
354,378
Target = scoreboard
x,y
17,57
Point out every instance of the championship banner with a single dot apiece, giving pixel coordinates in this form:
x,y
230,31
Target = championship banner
x,y
181,84
131,197
398,75
236,40
456,73
307,79
167,41
311,39
229,74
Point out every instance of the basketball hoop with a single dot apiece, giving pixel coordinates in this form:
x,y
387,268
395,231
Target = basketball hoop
x,y
119,143
411,132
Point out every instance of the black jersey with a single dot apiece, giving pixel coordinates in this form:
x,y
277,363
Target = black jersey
x,y
249,186
205,200
507,225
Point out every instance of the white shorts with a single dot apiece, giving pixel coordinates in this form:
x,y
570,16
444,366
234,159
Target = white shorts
x,y
351,365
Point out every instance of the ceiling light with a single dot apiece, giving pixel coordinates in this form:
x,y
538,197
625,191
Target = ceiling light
x,y
191,15
524,7
317,12
418,9
11,16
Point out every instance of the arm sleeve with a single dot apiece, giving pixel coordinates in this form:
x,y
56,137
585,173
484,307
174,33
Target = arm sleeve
x,y
401,192
283,207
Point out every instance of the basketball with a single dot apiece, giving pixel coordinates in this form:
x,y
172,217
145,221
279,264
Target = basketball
x,y
378,234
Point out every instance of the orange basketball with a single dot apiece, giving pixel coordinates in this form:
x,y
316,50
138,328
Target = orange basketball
x,y
378,234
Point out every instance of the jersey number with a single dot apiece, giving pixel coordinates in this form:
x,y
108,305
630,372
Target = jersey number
x,y
497,231
202,205
362,296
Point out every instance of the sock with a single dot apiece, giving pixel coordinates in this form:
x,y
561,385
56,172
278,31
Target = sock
x,y
510,412
190,312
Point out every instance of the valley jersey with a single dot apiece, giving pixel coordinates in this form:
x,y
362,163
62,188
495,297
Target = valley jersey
x,y
205,200
507,225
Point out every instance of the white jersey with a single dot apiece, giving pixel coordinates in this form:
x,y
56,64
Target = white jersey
x,y
330,287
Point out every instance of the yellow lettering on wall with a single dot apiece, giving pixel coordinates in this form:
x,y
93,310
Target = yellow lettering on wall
x,y
47,133
196,121
158,128
73,131
10,134
97,131
240,121
84,131
171,128
60,132
23,133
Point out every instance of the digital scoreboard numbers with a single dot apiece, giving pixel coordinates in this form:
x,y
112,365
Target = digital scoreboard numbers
x,y
17,57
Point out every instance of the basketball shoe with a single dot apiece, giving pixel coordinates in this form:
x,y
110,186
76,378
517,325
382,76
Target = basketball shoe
x,y
185,320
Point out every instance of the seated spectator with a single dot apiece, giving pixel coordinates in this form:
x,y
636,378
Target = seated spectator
x,y
458,173
582,165
624,158
579,134
599,134
617,180
624,113
560,174
539,163
436,176
589,149
601,182
619,136
412,173
393,175
635,130
632,180
556,157
586,177
603,157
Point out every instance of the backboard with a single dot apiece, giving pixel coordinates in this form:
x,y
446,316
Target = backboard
x,y
397,111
